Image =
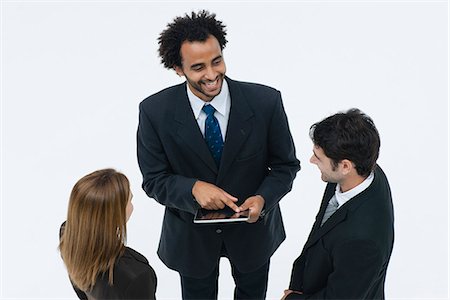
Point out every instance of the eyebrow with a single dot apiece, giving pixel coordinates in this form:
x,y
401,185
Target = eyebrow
x,y
216,58
197,65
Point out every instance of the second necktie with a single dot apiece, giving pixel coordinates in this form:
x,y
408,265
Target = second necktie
x,y
331,209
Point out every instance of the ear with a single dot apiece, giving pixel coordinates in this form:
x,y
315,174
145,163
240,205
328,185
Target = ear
x,y
178,70
346,166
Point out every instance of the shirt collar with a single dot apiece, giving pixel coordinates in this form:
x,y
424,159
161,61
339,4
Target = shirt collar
x,y
344,197
219,102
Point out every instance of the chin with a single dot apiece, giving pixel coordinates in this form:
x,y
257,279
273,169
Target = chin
x,y
327,180
214,94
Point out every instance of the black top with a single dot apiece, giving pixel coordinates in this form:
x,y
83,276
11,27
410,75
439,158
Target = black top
x,y
133,278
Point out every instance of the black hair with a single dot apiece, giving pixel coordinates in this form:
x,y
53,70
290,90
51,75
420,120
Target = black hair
x,y
196,27
351,135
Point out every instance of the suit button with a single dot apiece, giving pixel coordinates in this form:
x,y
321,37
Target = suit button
x,y
218,230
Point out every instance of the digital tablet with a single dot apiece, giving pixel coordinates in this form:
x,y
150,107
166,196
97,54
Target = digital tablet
x,y
220,216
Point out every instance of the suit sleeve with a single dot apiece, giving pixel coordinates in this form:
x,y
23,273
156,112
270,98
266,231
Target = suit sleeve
x,y
283,165
160,183
143,286
356,266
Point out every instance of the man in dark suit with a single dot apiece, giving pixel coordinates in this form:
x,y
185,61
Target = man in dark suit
x,y
349,247
211,143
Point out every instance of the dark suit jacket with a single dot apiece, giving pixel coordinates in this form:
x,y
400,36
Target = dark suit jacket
x,y
133,278
258,158
348,256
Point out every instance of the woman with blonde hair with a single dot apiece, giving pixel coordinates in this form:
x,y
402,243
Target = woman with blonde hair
x,y
92,241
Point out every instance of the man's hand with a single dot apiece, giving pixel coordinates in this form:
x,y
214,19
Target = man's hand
x,y
255,205
288,292
212,197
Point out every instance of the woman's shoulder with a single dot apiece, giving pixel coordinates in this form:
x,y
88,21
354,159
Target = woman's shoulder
x,y
132,264
130,253
133,274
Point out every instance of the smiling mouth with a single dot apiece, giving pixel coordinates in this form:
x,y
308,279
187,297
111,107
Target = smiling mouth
x,y
212,85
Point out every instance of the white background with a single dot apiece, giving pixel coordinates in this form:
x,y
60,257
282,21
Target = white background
x,y
73,74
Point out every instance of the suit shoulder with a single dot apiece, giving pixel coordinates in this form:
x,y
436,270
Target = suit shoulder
x,y
258,96
381,177
373,218
163,96
255,87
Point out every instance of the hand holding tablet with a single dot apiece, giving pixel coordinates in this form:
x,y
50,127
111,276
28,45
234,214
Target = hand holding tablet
x,y
254,205
219,206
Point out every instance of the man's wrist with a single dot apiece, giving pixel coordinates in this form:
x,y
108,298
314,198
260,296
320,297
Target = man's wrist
x,y
193,187
261,197
263,211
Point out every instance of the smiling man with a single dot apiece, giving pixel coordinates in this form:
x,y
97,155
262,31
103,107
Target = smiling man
x,y
348,250
213,142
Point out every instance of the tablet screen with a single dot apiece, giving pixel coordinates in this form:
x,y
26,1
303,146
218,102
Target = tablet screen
x,y
220,216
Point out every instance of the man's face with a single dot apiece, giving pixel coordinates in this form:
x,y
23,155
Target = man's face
x,y
203,66
325,165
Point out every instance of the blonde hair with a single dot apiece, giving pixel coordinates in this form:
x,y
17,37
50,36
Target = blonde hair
x,y
95,231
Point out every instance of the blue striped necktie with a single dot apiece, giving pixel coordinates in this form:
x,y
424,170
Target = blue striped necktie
x,y
213,136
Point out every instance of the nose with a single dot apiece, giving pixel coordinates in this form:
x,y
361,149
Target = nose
x,y
312,159
210,73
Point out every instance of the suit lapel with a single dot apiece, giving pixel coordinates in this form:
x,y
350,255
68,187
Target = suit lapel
x,y
239,127
329,192
318,231
188,131
339,216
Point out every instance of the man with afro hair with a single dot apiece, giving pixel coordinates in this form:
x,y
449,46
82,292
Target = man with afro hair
x,y
214,143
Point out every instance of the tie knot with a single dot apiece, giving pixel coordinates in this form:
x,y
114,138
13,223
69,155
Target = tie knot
x,y
208,109
334,201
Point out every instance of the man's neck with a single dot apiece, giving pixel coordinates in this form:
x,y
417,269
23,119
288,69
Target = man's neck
x,y
350,182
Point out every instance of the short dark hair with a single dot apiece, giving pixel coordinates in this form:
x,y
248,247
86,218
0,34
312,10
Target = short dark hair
x,y
350,135
196,27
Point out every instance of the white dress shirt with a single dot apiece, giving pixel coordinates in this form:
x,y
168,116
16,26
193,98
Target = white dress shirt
x,y
222,104
341,198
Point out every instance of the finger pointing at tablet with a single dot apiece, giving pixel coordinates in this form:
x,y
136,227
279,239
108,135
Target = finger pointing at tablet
x,y
212,197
